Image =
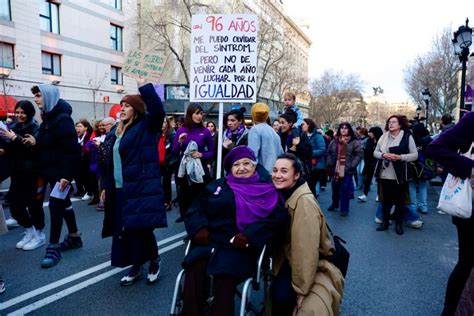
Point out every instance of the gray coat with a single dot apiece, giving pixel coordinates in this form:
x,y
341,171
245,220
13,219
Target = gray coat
x,y
355,153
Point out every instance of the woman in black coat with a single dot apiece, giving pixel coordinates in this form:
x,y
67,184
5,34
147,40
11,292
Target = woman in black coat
x,y
236,216
24,177
134,204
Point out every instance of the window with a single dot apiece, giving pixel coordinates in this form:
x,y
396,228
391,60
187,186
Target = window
x,y
5,13
51,64
116,76
117,4
49,16
7,59
116,37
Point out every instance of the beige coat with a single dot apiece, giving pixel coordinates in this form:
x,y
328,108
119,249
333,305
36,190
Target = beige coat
x,y
317,279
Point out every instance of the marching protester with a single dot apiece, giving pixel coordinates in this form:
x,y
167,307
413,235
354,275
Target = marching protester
x,y
262,139
445,149
318,164
374,135
343,155
192,145
305,283
228,225
24,177
236,133
167,165
134,204
84,133
103,150
58,162
394,150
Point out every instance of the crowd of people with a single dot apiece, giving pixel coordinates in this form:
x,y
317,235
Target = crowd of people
x,y
266,193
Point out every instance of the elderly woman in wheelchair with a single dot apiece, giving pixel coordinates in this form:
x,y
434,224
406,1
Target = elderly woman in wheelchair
x,y
228,225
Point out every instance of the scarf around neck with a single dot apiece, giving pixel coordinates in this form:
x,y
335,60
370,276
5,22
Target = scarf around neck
x,y
254,200
235,134
341,156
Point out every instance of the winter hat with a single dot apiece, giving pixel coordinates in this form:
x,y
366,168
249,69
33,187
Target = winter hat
x,y
260,112
27,107
50,94
237,153
136,101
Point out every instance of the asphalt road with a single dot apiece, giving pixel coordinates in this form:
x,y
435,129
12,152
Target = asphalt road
x,y
388,274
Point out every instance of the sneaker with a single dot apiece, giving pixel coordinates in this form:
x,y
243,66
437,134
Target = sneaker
x,y
86,197
38,240
416,224
378,220
153,271
2,286
362,198
70,242
132,276
441,212
52,257
332,208
11,222
100,207
29,235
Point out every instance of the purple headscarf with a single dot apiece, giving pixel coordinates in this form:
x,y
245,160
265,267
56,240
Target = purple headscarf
x,y
254,200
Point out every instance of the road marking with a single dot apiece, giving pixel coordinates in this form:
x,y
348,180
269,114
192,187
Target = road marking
x,y
73,289
71,278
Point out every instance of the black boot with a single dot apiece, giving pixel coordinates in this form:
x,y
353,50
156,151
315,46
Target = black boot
x,y
383,226
399,228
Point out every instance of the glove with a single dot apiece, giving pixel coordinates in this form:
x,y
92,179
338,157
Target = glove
x,y
240,241
201,237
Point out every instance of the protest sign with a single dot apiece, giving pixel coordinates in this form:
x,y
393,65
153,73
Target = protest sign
x,y
143,64
223,58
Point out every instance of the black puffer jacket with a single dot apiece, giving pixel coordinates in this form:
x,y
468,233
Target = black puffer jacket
x,y
56,144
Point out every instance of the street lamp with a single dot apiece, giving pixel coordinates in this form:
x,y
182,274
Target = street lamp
x,y
418,111
427,98
461,41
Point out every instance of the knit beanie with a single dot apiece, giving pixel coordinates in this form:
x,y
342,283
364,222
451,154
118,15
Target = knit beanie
x,y
136,101
238,153
260,112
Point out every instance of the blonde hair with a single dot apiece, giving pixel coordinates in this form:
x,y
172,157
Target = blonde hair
x,y
289,95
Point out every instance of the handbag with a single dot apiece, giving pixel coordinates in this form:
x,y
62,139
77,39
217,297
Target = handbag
x,y
456,195
340,257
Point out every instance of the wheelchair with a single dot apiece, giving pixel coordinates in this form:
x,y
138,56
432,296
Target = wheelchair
x,y
259,283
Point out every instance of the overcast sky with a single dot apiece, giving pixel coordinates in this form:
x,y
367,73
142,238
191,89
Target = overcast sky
x,y
376,38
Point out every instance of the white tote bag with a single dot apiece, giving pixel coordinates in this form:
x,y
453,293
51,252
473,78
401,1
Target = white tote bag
x,y
456,196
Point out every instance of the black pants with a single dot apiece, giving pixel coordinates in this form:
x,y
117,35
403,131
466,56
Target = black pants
x,y
24,206
315,176
393,194
460,273
166,173
195,291
59,210
188,192
283,295
368,176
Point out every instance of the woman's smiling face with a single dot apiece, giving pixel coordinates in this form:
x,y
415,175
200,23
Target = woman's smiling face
x,y
284,175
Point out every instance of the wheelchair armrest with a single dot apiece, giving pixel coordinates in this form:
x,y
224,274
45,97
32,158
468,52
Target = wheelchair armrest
x,y
260,262
188,247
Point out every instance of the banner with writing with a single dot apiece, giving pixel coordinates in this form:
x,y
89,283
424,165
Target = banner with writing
x,y
143,64
223,58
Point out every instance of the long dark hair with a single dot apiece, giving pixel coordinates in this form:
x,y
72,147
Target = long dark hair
x,y
28,108
295,162
311,125
348,125
188,119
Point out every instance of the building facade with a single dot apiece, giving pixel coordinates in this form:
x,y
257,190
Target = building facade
x,y
283,48
78,45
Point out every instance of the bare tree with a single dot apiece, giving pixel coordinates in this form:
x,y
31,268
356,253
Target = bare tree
x,y
436,70
333,95
94,85
167,28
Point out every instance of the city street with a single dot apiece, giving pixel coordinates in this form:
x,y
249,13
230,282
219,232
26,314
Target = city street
x,y
388,274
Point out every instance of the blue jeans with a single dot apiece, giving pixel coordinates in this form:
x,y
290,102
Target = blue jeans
x,y
409,215
360,177
342,191
421,197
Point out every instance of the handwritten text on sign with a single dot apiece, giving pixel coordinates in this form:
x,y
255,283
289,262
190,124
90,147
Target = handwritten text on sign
x,y
144,65
224,58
